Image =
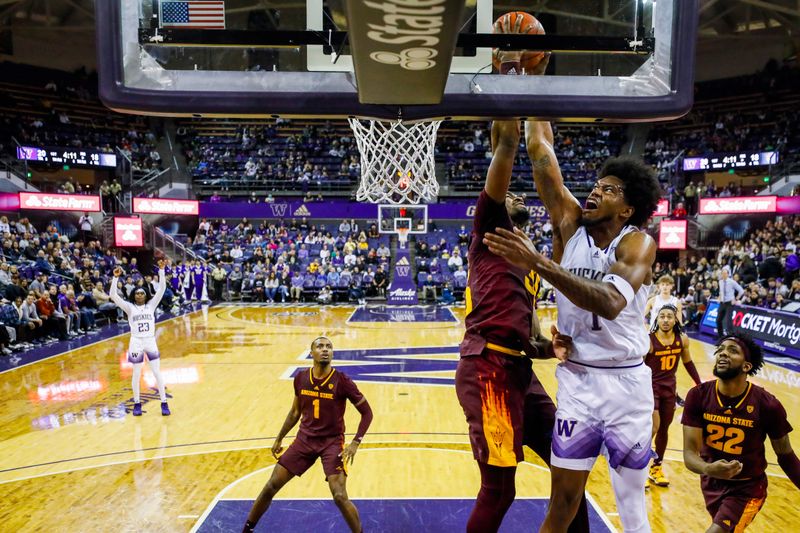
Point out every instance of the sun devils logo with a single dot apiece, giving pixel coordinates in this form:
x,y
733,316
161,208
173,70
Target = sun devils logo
x,y
330,386
750,408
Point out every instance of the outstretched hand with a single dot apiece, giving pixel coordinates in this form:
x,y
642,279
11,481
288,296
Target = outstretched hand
x,y
515,247
117,272
562,344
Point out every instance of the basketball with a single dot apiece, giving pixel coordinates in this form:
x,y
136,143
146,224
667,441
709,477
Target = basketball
x,y
519,22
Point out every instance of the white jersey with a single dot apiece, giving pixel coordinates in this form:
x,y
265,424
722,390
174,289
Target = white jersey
x,y
141,318
621,342
658,304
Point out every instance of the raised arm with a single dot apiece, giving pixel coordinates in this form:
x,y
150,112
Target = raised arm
x,y
564,209
505,143
113,293
605,298
162,286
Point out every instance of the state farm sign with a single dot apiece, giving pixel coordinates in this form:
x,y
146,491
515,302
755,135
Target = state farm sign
x,y
740,205
160,206
672,235
58,202
128,231
663,208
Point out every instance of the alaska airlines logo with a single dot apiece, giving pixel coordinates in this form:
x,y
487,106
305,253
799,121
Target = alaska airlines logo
x,y
429,365
565,427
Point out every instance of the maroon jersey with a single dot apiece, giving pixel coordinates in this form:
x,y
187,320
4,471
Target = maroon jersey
x,y
322,402
500,297
734,429
663,360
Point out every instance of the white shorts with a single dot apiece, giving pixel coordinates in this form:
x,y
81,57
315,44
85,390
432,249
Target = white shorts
x,y
608,411
139,347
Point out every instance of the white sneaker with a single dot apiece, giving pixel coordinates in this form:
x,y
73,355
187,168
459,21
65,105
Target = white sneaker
x,y
6,351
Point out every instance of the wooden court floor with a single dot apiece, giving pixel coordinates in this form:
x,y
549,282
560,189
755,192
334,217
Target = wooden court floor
x,y
73,460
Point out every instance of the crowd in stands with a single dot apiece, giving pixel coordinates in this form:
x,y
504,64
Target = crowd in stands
x,y
53,287
465,150
765,264
59,109
271,155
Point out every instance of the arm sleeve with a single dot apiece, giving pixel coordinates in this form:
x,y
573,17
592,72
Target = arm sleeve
x,y
162,286
739,289
692,370
692,409
790,465
113,293
366,419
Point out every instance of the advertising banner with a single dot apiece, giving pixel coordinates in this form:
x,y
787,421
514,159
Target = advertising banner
x,y
128,232
739,205
165,206
403,290
672,235
464,210
776,331
59,202
663,209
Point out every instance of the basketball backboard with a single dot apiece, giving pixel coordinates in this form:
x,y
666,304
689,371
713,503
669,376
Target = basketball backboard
x,y
612,59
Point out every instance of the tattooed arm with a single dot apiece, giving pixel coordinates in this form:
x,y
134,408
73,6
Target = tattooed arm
x,y
561,205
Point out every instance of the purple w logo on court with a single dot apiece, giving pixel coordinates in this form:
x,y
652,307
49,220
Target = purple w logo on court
x,y
565,427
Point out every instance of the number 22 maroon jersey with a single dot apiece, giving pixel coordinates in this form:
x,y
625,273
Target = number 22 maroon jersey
x,y
734,429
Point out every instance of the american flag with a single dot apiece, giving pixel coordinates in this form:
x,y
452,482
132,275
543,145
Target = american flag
x,y
208,14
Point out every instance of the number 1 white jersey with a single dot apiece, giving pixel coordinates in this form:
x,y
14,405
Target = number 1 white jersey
x,y
621,342
141,318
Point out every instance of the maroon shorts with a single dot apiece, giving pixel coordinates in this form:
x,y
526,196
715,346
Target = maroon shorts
x,y
305,450
664,394
505,406
734,504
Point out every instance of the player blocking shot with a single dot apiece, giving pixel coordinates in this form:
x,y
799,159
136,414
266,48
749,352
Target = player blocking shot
x,y
321,395
602,274
667,344
141,315
725,424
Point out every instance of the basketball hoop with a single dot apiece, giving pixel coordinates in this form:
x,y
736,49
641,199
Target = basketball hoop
x,y
397,161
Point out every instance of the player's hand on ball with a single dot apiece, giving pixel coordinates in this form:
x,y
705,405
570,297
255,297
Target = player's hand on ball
x,y
117,272
723,469
349,452
562,344
277,448
514,246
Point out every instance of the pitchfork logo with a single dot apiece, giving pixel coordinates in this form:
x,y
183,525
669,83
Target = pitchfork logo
x,y
403,267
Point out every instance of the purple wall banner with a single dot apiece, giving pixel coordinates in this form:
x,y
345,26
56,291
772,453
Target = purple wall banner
x,y
338,210
402,291
776,331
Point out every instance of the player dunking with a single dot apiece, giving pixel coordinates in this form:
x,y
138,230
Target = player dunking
x,y
725,424
605,397
667,344
142,320
321,394
504,403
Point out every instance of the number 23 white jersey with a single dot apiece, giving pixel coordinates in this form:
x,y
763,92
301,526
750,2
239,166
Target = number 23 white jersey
x,y
141,318
599,342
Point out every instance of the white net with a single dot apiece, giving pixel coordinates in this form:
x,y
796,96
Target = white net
x,y
397,161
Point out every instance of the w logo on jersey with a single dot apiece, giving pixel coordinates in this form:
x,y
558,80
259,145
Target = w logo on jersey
x,y
565,427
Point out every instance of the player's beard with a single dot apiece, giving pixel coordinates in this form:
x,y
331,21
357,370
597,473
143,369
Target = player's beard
x,y
519,216
589,223
729,373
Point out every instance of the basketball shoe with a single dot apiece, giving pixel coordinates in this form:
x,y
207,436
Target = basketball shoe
x,y
137,409
657,476
165,409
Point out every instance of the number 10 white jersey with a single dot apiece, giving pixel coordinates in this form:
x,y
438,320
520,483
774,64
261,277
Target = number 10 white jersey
x,y
621,342
141,318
